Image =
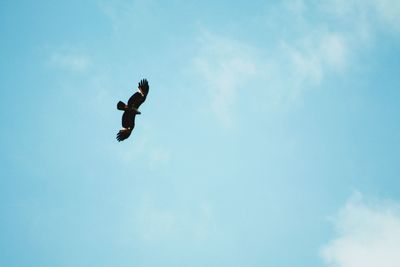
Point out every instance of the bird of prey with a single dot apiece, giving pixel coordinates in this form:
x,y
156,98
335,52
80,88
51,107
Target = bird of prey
x,y
131,110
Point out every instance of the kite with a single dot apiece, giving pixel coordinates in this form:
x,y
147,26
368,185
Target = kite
x,y
131,110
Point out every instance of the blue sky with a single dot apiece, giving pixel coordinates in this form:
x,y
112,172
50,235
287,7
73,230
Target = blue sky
x,y
270,136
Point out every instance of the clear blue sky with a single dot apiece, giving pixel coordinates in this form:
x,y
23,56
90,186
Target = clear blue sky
x,y
263,119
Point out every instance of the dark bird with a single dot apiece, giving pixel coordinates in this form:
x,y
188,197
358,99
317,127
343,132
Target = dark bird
x,y
131,110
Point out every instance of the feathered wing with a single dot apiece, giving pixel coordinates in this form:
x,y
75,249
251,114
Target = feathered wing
x,y
144,87
123,134
128,123
137,98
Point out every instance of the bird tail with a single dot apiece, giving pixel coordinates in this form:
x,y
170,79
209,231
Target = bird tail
x,y
121,106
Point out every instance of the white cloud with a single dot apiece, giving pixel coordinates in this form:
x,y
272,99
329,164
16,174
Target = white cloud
x,y
368,235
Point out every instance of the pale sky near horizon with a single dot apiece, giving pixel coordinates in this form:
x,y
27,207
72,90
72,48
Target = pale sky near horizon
x,y
270,135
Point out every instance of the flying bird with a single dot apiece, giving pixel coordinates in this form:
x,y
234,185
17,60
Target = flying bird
x,y
131,110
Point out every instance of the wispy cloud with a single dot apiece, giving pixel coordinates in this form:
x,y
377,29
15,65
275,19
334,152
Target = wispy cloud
x,y
289,64
368,235
283,70
70,60
225,65
310,57
122,13
389,11
383,11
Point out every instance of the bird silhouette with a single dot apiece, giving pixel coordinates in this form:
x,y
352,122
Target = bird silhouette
x,y
131,110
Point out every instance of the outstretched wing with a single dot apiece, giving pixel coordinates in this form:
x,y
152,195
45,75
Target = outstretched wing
x,y
123,134
144,87
135,101
137,98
